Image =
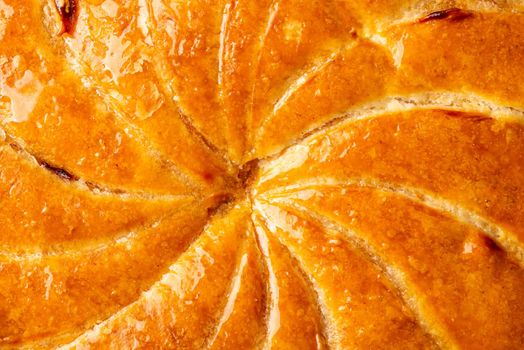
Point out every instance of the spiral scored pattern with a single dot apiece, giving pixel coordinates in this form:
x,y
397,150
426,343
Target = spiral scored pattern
x,y
261,174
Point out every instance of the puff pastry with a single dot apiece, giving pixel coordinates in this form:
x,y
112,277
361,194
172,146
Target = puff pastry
x,y
245,174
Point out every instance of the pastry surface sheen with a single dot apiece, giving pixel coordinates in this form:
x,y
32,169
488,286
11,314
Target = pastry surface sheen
x,y
256,174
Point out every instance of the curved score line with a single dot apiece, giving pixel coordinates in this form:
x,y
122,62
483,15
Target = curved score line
x,y
273,313
71,179
123,241
271,15
98,328
125,238
373,36
163,281
507,240
293,87
446,100
111,102
328,332
231,298
418,306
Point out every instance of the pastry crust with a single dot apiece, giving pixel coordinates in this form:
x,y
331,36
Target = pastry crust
x,y
241,174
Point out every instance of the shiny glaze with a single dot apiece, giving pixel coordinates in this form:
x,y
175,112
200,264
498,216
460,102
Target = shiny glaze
x,y
261,174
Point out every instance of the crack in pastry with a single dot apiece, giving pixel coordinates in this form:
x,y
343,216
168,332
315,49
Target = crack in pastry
x,y
452,14
68,12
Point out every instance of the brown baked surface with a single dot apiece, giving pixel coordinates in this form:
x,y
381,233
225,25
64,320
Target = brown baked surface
x,y
245,174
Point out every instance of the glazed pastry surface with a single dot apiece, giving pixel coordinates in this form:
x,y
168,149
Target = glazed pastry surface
x,y
261,174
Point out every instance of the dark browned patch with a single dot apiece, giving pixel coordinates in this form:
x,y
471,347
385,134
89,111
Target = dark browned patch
x,y
68,10
454,113
469,116
220,201
452,14
490,243
247,172
16,147
208,177
98,189
61,173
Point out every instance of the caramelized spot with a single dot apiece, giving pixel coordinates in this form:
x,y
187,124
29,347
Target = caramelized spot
x,y
62,173
452,14
490,243
247,171
454,113
218,202
469,116
68,10
208,176
16,147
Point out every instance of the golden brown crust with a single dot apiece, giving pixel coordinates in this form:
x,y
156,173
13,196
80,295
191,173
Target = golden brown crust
x,y
261,174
